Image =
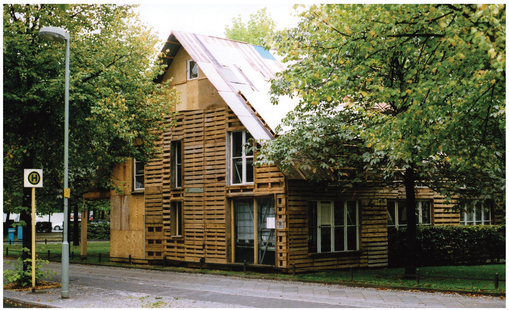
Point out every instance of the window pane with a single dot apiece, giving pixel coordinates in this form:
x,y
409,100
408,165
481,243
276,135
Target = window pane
x,y
178,172
391,213
249,169
245,227
470,216
266,233
426,212
339,216
351,213
193,69
326,239
179,219
339,239
352,238
462,217
312,227
237,171
248,136
140,181
325,216
487,215
140,168
402,214
178,152
478,214
237,144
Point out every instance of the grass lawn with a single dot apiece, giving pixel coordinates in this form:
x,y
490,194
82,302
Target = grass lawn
x,y
455,278
41,249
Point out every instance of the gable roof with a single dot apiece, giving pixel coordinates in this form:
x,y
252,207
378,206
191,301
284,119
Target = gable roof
x,y
240,72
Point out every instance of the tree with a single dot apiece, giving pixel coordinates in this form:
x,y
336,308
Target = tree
x,y
114,105
415,92
259,27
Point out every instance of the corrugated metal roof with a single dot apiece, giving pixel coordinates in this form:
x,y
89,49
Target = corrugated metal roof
x,y
236,68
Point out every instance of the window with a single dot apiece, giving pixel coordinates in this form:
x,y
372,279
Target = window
x,y
254,231
240,162
139,175
192,70
176,160
176,218
396,213
477,214
333,226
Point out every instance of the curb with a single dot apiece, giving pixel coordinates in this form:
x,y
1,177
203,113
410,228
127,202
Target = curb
x,y
27,304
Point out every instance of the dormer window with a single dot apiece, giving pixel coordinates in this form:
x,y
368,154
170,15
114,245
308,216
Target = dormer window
x,y
192,70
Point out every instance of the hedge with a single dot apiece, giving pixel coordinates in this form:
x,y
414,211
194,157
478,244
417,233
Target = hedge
x,y
447,245
99,231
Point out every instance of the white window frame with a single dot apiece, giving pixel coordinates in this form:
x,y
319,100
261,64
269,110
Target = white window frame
x,y
136,175
419,210
189,70
474,219
244,157
330,217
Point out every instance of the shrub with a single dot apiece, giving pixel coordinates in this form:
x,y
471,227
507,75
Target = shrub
x,y
446,245
100,231
24,278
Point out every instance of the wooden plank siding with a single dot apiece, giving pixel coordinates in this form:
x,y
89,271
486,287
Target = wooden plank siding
x,y
206,215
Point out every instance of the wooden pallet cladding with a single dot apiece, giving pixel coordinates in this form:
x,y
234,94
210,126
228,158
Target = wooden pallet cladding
x,y
189,210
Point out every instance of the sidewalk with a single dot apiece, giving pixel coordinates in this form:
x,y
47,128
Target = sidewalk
x,y
113,287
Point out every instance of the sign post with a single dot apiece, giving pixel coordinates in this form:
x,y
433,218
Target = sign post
x,y
33,179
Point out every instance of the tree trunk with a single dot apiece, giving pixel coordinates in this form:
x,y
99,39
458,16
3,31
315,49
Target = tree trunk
x,y
410,266
26,215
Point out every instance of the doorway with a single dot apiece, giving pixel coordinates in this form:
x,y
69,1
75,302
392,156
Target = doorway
x,y
255,244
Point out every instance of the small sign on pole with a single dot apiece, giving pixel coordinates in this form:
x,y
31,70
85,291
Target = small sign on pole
x,y
33,179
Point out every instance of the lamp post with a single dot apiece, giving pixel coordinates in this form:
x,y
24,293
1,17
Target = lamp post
x,y
60,35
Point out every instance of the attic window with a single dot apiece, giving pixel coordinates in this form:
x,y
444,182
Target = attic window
x,y
192,70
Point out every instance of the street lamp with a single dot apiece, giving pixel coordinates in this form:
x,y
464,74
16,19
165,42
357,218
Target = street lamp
x,y
60,35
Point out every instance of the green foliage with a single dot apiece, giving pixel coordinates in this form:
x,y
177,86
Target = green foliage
x,y
24,278
449,245
259,27
115,107
99,231
390,88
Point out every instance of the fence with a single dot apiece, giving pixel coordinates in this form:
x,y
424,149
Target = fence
x,y
245,267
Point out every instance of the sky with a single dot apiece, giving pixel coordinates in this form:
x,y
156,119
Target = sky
x,y
210,18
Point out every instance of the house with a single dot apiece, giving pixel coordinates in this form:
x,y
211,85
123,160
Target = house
x,y
202,200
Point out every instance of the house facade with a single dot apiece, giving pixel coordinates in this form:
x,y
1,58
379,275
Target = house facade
x,y
202,200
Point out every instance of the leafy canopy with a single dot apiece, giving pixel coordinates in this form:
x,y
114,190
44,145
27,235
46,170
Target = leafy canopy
x,y
387,88
259,27
114,105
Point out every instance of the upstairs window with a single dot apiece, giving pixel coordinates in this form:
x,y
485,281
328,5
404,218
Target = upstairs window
x,y
192,70
176,164
397,213
478,214
240,161
139,175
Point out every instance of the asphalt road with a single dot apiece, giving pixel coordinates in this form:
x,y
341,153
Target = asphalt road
x,y
113,287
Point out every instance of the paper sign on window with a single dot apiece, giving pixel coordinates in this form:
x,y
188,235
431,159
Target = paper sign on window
x,y
271,223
